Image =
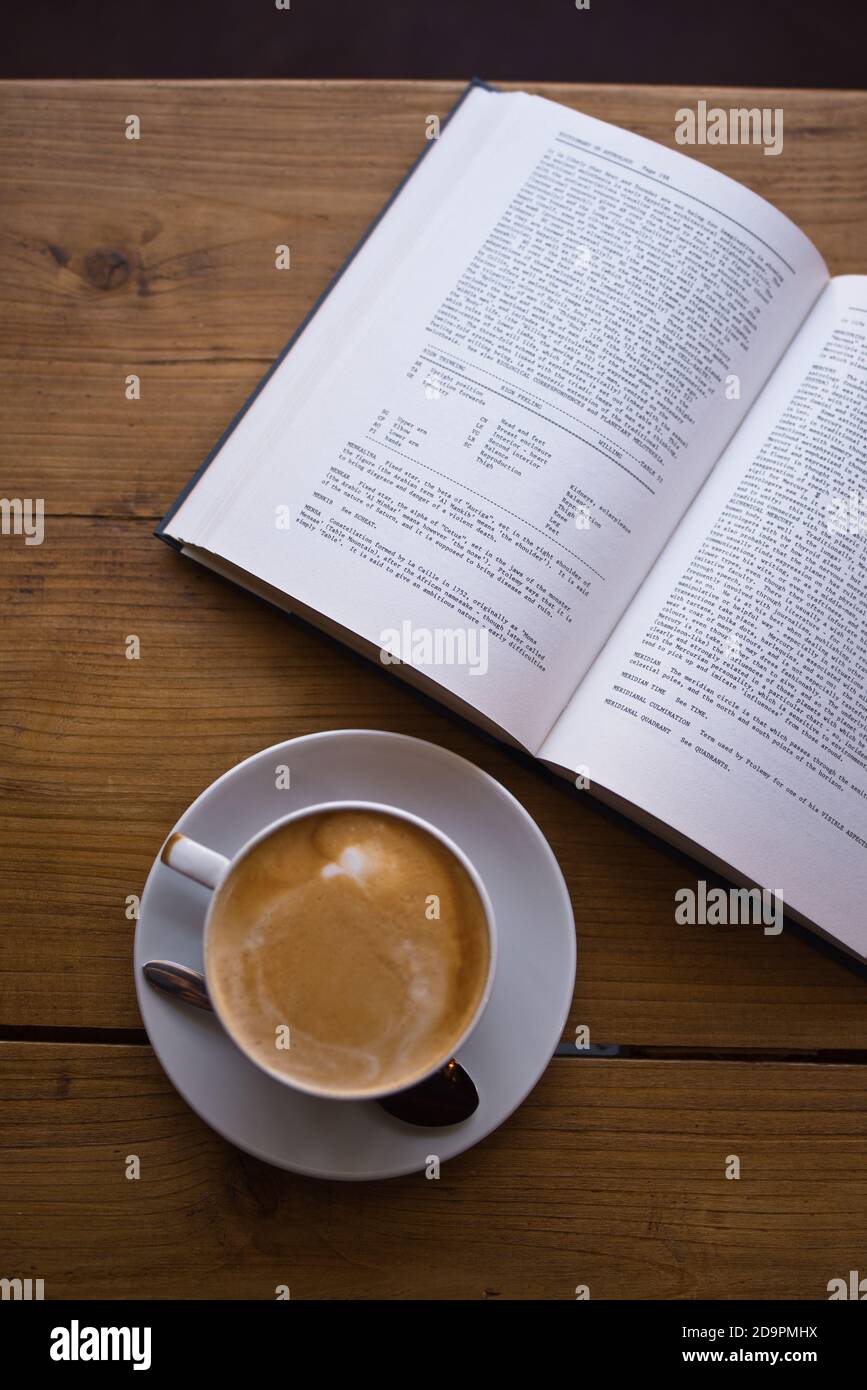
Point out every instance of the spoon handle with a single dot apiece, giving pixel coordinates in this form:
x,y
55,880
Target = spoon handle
x,y
179,980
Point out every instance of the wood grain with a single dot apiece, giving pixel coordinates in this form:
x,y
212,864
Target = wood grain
x,y
157,256
102,754
612,1175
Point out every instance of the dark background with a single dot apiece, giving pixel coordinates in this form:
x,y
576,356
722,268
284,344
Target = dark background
x,y
767,43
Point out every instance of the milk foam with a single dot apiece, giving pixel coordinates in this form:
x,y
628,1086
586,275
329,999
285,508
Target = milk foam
x,y
323,929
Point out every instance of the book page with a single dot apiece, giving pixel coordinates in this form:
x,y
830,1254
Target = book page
x,y
730,702
508,401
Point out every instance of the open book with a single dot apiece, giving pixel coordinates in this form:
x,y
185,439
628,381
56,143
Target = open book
x,y
578,435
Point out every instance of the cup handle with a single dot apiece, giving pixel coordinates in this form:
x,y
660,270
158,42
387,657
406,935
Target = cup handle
x,y
194,861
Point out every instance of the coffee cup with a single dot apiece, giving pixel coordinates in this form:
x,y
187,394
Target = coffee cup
x,y
349,947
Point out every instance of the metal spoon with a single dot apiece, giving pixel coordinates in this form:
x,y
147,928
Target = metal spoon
x,y
446,1098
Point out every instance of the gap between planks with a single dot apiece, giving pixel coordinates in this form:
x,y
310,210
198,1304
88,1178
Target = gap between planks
x,y
565,1051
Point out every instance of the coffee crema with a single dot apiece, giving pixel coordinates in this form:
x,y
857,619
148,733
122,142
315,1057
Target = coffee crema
x,y
348,952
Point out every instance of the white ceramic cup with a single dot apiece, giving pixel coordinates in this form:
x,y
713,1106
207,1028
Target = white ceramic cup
x,y
213,870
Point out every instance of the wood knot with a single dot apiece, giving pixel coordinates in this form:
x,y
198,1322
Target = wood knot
x,y
107,270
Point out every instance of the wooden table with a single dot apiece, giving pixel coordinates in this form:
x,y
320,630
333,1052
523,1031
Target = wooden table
x,y
156,258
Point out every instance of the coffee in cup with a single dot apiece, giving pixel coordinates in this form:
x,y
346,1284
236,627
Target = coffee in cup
x,y
348,951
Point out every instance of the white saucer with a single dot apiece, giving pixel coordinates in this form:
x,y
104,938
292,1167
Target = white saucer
x,y
532,992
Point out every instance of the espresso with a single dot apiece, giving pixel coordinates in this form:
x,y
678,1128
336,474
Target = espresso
x,y
348,951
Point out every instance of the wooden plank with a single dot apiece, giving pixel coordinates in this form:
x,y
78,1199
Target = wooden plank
x,y
100,755
157,256
611,1175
